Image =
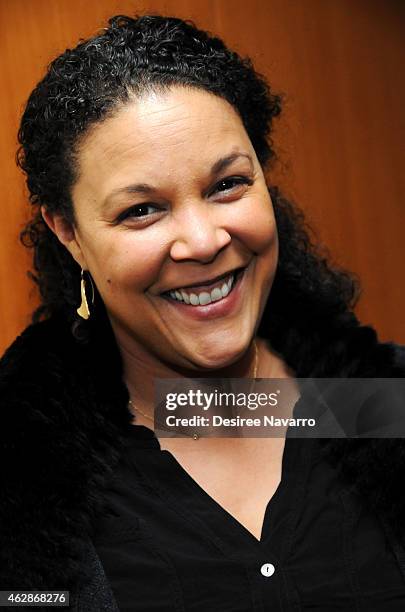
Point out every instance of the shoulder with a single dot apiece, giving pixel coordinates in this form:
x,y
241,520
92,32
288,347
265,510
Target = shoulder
x,y
37,339
58,441
400,355
40,350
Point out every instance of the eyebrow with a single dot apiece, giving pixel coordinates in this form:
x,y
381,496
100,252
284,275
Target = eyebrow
x,y
145,189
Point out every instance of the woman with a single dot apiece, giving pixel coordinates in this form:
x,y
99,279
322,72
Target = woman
x,y
160,252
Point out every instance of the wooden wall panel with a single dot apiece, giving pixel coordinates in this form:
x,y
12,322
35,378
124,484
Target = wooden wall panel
x,y
340,139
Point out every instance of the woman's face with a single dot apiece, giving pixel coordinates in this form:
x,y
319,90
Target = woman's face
x,y
170,195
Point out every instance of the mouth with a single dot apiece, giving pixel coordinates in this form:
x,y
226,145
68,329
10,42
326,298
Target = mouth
x,y
204,295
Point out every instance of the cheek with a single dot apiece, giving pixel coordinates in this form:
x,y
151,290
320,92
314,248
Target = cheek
x,y
257,227
265,234
124,264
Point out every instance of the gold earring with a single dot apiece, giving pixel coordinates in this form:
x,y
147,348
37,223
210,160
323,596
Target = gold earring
x,y
84,311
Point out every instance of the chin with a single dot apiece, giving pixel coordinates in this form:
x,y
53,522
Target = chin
x,y
220,356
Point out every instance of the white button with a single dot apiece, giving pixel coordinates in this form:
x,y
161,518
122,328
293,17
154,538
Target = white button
x,y
267,569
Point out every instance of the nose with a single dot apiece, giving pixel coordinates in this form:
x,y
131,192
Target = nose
x,y
198,236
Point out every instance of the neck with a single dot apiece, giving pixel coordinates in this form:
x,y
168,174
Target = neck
x,y
141,368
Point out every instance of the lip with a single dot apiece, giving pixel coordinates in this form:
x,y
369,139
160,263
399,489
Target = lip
x,y
203,284
220,308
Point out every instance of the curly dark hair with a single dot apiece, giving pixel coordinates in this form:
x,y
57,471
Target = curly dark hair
x,y
87,84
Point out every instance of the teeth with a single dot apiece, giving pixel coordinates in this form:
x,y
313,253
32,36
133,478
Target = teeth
x,y
225,289
185,297
204,297
216,294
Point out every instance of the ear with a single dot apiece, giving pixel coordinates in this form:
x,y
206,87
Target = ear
x,y
65,233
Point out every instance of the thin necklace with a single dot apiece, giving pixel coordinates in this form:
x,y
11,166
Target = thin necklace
x,y
195,435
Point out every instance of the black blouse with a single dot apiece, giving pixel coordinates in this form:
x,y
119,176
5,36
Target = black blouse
x,y
166,545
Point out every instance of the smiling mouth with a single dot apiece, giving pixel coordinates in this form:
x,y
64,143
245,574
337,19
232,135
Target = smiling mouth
x,y
214,292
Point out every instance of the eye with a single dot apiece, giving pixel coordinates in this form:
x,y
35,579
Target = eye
x,y
139,211
230,183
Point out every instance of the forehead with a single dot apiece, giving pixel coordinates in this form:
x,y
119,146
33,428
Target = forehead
x,y
181,124
169,140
